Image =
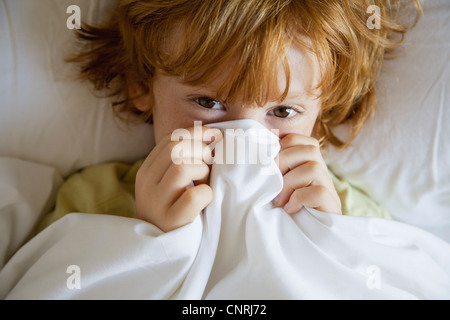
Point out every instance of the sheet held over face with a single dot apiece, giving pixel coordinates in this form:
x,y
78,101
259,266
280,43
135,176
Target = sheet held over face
x,y
240,247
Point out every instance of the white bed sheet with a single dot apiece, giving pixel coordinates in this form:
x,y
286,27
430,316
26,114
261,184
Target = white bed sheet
x,y
240,247
27,191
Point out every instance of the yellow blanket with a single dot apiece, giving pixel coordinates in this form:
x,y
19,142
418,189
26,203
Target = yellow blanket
x,y
109,189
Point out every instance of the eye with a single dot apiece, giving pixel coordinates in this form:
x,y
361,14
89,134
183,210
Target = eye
x,y
284,112
209,103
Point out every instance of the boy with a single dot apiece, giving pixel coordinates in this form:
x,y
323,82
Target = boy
x,y
300,67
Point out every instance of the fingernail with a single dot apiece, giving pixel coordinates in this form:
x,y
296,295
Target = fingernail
x,y
287,207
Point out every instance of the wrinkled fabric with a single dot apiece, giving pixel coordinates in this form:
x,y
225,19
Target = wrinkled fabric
x,y
240,247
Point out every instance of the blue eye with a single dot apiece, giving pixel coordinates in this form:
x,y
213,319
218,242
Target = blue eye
x,y
209,103
284,112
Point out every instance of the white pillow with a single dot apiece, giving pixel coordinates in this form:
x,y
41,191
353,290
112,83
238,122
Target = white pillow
x,y
46,115
402,157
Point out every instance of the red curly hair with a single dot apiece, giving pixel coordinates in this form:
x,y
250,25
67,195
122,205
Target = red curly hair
x,y
134,43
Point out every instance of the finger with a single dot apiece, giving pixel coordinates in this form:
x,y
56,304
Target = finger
x,y
205,134
178,178
297,155
157,163
154,154
317,197
309,173
294,139
191,152
179,153
188,207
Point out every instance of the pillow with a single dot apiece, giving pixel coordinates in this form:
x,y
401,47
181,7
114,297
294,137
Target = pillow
x,y
402,156
47,116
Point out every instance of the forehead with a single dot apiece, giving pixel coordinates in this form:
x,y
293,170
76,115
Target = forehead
x,y
304,70
293,71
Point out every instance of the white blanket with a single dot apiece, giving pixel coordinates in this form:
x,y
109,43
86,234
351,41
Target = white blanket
x,y
240,247
27,191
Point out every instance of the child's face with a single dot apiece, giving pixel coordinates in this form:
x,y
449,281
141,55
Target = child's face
x,y
177,105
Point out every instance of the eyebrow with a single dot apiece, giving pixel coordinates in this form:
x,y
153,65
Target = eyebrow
x,y
298,95
295,97
208,91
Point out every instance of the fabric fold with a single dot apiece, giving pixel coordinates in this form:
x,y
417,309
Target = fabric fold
x,y
240,247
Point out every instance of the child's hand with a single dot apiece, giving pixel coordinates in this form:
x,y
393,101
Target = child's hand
x,y
162,194
306,179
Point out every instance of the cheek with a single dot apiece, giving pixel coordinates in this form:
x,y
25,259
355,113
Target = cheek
x,y
164,119
165,122
311,121
169,114
309,128
304,126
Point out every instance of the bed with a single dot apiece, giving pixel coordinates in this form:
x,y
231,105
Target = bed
x,y
52,125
